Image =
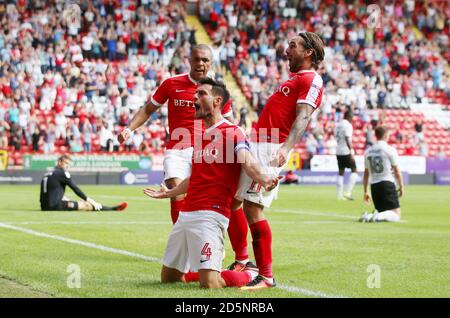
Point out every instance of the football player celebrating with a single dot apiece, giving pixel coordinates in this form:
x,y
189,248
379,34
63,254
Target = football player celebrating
x,y
280,126
196,240
179,91
381,165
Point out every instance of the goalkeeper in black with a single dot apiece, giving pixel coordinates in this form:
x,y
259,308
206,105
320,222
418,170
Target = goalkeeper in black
x,y
53,187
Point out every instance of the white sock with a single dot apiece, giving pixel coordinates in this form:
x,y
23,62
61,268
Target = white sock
x,y
340,186
389,216
351,183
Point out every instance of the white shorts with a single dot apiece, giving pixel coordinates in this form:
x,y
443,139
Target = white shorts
x,y
178,163
196,242
250,190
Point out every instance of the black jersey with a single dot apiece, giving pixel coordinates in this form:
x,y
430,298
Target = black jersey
x,y
53,186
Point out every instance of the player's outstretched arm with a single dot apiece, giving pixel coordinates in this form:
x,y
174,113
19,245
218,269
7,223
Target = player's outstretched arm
x,y
304,112
367,197
138,120
164,193
399,178
254,170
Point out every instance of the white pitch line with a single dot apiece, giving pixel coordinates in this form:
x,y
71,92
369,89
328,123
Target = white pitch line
x,y
90,222
139,223
82,243
299,290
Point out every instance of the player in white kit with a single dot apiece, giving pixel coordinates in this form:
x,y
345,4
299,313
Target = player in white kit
x,y
381,165
345,159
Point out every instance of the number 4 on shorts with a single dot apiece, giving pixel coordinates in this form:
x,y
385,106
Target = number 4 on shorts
x,y
206,250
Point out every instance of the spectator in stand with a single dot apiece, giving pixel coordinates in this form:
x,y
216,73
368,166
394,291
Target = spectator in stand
x,y
441,155
87,136
418,127
106,138
36,138
49,137
16,136
423,148
4,128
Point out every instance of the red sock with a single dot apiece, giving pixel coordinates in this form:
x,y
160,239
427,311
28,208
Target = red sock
x,y
237,231
236,279
175,208
262,247
191,277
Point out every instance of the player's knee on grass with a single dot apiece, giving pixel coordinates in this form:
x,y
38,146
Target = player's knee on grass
x,y
209,278
171,275
253,212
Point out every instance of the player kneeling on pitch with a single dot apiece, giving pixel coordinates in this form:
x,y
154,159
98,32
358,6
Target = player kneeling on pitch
x,y
53,187
381,165
196,242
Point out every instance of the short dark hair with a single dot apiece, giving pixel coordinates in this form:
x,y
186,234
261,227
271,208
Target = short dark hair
x,y
202,47
348,114
64,157
218,88
380,132
315,43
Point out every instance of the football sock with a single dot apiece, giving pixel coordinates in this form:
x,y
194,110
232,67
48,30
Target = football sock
x,y
108,208
262,247
236,279
340,186
191,277
175,208
351,183
389,216
237,231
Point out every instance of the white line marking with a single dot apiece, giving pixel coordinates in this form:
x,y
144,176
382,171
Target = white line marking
x,y
82,243
90,222
308,292
143,257
140,222
329,214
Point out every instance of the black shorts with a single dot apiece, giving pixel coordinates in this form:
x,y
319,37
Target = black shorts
x,y
384,196
346,161
62,206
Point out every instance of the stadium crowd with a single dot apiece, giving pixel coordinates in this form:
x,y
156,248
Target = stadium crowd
x,y
375,58
71,86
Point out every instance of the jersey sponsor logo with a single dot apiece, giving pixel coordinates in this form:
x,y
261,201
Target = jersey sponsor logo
x,y
183,103
179,90
206,153
285,90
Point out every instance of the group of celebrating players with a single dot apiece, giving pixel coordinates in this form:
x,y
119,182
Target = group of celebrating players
x,y
219,180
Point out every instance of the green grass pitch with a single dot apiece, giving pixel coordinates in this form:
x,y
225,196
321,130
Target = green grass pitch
x,y
319,249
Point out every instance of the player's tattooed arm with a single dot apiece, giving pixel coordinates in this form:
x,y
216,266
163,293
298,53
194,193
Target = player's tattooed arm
x,y
163,192
304,112
138,120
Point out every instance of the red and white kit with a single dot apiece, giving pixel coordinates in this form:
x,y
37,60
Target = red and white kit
x,y
197,239
179,91
273,127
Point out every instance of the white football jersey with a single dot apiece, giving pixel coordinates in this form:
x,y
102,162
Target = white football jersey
x,y
379,159
343,129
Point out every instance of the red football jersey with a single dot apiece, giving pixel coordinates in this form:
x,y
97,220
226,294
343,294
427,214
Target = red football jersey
x,y
179,90
215,169
280,111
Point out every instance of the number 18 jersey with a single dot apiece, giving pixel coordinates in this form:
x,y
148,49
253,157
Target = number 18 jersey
x,y
379,159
